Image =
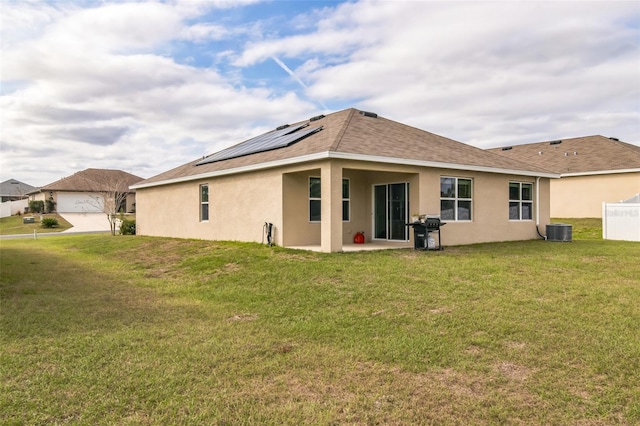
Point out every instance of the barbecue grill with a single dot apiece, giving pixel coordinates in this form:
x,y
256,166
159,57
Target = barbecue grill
x,y
423,233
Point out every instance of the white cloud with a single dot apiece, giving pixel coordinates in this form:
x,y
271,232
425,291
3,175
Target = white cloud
x,y
204,32
147,86
504,64
98,91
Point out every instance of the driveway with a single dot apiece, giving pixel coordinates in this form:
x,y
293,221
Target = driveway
x,y
83,223
86,222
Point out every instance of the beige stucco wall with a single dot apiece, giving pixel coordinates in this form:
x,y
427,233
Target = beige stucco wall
x,y
299,231
491,210
240,204
582,196
43,196
490,202
39,196
130,202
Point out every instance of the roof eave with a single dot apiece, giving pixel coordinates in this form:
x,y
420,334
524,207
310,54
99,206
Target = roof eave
x,y
441,165
600,172
346,156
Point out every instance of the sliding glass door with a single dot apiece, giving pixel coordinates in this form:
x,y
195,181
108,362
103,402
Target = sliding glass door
x,y
390,211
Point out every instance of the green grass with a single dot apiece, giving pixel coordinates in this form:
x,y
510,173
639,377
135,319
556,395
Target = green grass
x,y
585,228
138,330
13,225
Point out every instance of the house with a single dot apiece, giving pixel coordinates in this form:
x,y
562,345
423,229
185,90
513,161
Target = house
x,y
322,180
14,197
13,190
592,169
83,191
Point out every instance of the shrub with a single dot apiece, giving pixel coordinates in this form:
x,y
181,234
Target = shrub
x,y
49,222
36,206
51,205
127,227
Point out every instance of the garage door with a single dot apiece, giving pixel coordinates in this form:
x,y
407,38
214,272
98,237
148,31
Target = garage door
x,y
78,202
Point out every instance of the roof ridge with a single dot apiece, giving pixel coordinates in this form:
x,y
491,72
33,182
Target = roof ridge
x,y
343,130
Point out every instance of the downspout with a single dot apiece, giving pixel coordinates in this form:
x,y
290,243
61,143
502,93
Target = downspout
x,y
538,208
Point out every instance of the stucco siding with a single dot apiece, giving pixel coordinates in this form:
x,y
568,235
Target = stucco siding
x,y
40,196
241,203
582,196
299,231
169,211
360,200
238,208
130,203
490,221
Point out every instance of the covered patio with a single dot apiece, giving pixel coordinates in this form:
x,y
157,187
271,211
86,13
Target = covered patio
x,y
370,246
326,205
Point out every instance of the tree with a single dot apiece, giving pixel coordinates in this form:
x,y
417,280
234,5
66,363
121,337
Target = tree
x,y
109,195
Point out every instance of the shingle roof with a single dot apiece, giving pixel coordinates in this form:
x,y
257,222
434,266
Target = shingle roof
x,y
93,180
587,154
14,188
351,133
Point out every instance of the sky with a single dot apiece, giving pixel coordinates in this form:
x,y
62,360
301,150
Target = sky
x,y
147,86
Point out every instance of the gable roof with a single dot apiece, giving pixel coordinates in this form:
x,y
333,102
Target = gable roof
x,y
356,135
93,180
577,156
15,188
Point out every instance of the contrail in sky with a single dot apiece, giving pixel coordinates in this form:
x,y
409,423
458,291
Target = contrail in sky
x,y
292,74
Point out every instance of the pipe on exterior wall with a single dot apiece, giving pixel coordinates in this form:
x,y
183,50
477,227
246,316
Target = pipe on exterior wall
x,y
538,207
537,201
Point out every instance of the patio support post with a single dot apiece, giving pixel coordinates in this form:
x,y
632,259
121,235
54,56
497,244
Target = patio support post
x,y
331,225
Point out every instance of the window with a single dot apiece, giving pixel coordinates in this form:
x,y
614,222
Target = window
x,y
315,204
455,198
345,200
204,203
520,201
315,207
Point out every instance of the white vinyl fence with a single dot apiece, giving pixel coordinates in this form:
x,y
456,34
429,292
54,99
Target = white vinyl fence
x,y
9,208
621,221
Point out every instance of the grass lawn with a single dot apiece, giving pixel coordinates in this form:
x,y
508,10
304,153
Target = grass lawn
x,y
584,229
136,330
13,225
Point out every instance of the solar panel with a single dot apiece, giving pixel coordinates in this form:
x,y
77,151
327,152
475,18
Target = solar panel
x,y
292,138
266,142
249,146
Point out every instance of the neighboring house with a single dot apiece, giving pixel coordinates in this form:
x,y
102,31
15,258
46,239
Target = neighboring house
x,y
592,169
322,180
14,197
13,190
84,191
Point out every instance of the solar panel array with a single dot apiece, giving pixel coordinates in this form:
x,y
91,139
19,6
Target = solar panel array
x,y
266,142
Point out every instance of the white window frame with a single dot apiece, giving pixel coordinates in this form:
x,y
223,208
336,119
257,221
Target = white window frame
x,y
520,202
204,203
319,199
456,199
346,199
